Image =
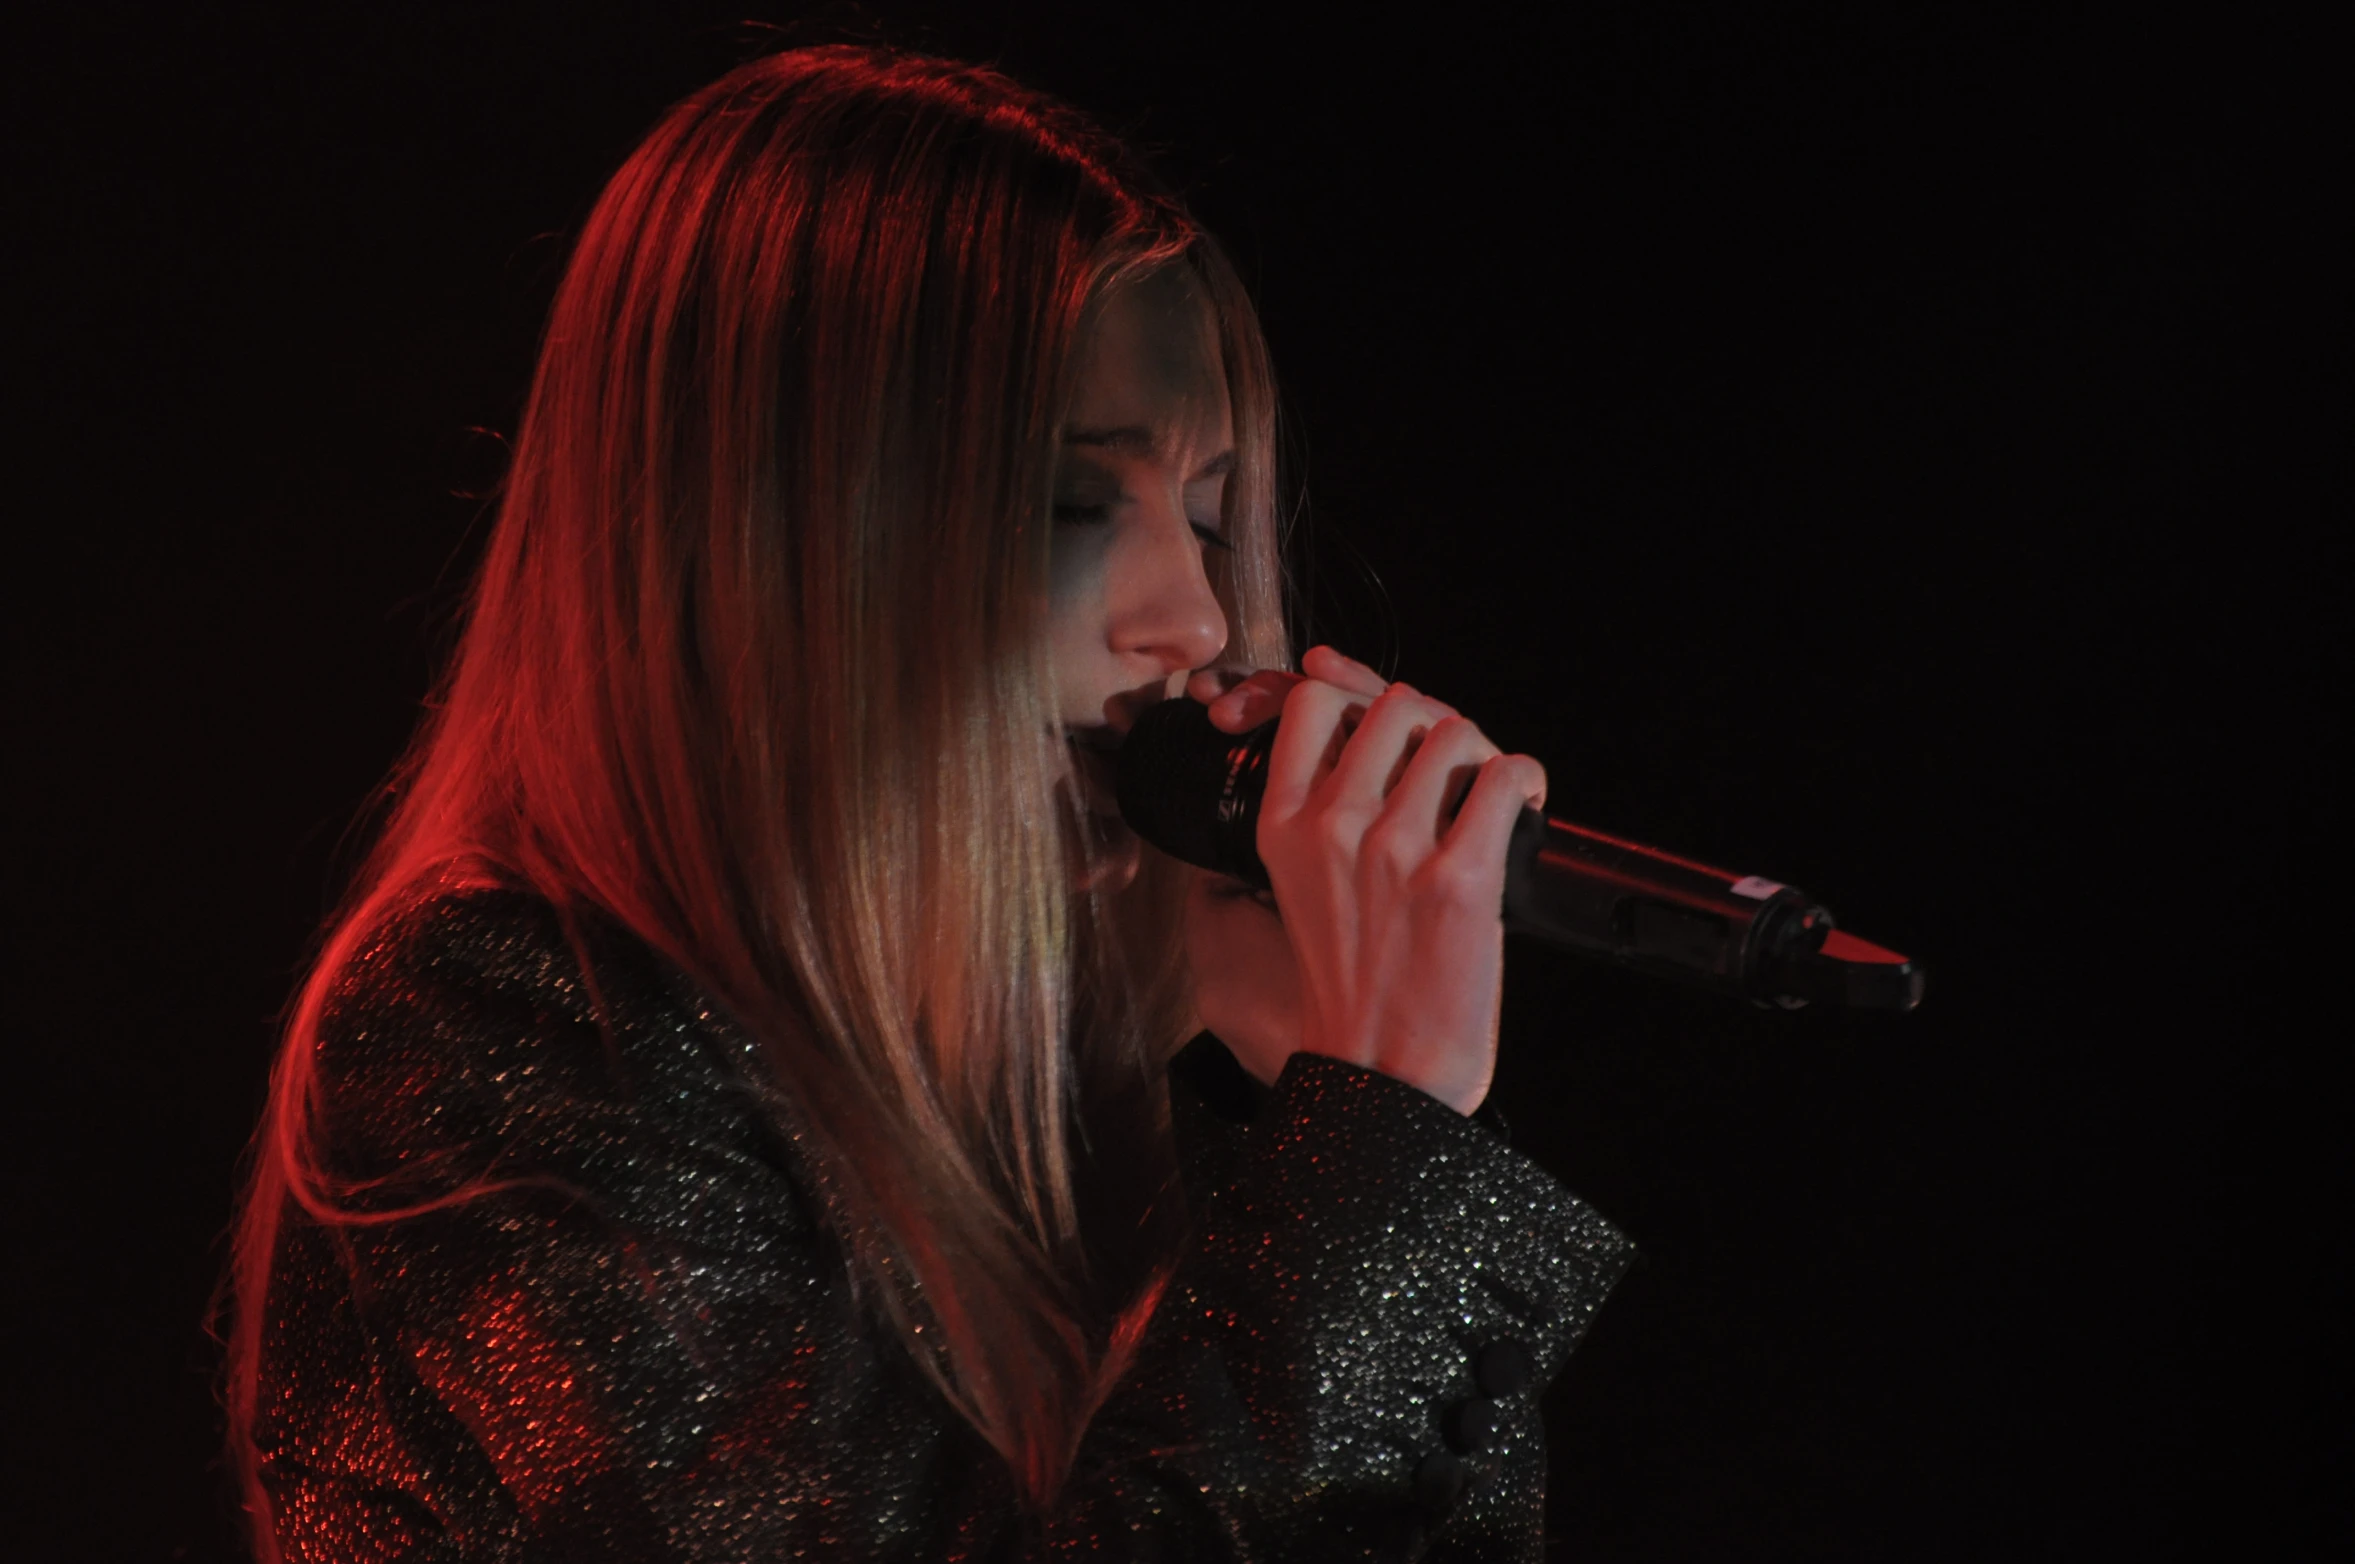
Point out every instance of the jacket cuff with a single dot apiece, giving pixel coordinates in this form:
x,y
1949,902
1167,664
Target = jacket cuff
x,y
1405,1192
1397,1286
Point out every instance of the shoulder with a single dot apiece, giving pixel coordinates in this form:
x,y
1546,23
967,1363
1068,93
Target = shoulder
x,y
477,1030
458,954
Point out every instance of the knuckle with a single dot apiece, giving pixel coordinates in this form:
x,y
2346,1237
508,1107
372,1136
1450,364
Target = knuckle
x,y
1339,831
1434,883
1392,843
1459,735
1519,772
1398,700
1310,697
1460,883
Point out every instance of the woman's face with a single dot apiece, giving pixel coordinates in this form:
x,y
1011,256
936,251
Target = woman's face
x,y
1140,489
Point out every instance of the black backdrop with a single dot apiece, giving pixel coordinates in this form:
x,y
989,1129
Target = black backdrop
x,y
1886,447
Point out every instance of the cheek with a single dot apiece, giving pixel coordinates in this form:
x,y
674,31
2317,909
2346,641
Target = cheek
x,y
1075,604
1076,573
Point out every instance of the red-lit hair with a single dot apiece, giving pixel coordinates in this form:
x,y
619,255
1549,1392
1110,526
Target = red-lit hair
x,y
754,666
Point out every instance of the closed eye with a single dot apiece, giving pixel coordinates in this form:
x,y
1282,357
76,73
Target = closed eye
x,y
1096,515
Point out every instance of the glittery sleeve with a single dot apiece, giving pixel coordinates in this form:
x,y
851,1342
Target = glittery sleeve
x,y
1368,1256
634,1338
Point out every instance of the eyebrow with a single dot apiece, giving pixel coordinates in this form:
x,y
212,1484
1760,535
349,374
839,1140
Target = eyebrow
x,y
1137,440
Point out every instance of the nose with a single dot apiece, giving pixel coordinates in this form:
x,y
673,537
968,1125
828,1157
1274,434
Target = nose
x,y
1163,607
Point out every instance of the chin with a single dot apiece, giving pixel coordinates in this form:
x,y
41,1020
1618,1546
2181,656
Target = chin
x,y
1113,857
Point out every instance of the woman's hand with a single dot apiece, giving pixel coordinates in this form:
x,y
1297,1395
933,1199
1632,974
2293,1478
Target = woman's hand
x,y
1383,829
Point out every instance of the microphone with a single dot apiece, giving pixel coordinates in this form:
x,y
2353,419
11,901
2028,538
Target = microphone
x,y
1194,792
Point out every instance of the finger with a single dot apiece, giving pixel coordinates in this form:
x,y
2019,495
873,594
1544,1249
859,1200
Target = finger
x,y
1307,744
1377,754
1483,828
1322,662
1420,806
1208,684
1257,699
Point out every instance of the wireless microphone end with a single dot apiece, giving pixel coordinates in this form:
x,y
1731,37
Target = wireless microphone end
x,y
1854,974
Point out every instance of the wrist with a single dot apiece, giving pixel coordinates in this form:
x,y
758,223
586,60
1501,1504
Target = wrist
x,y
1445,1075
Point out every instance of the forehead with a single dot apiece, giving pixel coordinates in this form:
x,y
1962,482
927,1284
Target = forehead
x,y
1149,361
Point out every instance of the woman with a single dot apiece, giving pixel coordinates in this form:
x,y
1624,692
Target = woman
x,y
735,1116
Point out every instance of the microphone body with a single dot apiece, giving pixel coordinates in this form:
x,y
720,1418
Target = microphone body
x,y
1194,792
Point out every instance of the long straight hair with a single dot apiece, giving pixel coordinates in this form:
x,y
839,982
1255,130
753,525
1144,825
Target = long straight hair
x,y
754,666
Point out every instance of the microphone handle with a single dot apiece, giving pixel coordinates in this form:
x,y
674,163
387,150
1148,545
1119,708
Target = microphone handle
x,y
1565,884
1576,888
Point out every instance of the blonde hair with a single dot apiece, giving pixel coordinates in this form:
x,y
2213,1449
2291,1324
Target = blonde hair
x,y
755,666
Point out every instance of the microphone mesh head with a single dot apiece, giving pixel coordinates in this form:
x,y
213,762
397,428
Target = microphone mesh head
x,y
1193,791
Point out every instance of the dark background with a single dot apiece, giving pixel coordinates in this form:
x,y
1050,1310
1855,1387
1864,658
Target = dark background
x,y
1898,449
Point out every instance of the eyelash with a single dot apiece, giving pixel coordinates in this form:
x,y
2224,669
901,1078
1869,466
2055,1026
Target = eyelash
x,y
1096,515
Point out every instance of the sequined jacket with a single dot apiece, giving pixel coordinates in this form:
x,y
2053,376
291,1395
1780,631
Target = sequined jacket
x,y
643,1346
